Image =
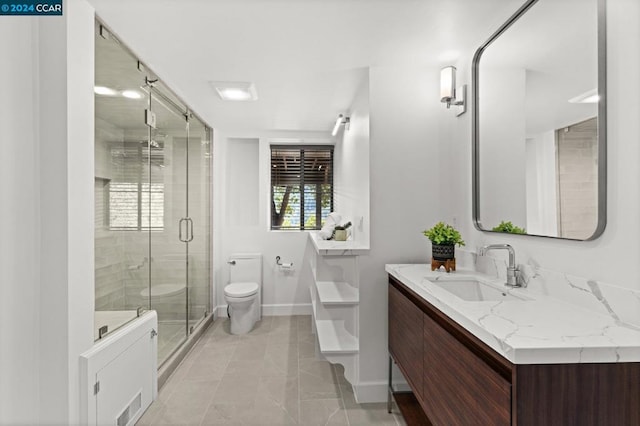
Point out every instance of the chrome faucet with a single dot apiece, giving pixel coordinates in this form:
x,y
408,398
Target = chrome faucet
x,y
514,278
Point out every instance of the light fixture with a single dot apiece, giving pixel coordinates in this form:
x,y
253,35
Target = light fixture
x,y
339,122
131,94
104,91
460,101
235,90
448,85
588,97
232,94
449,94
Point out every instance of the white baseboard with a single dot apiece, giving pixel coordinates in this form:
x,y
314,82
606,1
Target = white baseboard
x,y
370,392
286,309
274,310
367,392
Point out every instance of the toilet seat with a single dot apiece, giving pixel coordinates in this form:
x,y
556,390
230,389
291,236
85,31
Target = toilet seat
x,y
238,290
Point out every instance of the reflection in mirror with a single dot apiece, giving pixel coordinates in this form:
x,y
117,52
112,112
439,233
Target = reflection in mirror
x,y
539,138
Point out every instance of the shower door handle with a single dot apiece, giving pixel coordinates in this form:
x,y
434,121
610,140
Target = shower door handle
x,y
189,229
180,222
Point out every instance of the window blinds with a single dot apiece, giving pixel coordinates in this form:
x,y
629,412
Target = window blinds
x,y
301,186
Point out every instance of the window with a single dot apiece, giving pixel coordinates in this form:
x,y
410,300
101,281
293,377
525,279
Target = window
x,y
301,186
134,202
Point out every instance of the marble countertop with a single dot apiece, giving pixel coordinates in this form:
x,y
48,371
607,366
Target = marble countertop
x,y
540,330
337,248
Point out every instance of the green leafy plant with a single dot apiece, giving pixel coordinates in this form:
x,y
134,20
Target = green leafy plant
x,y
509,228
444,234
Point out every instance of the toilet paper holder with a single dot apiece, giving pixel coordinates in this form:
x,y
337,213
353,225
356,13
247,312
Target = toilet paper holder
x,y
283,265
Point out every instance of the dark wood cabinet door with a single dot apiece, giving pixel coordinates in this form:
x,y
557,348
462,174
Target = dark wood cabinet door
x,y
459,387
578,394
405,338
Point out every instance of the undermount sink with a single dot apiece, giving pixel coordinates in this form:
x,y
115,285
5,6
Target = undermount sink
x,y
472,290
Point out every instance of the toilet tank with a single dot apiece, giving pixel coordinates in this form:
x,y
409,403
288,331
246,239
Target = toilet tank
x,y
247,268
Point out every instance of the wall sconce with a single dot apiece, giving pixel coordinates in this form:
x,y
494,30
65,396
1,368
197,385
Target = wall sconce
x,y
341,120
448,85
449,94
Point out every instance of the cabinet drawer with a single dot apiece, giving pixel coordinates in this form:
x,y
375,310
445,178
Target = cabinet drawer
x,y
459,387
405,337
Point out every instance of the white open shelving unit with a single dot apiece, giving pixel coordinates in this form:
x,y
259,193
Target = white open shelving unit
x,y
335,299
334,338
336,293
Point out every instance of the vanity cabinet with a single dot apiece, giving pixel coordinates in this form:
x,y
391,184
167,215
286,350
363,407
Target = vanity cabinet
x,y
459,380
405,338
459,388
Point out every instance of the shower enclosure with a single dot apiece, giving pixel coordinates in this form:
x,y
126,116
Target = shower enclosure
x,y
152,200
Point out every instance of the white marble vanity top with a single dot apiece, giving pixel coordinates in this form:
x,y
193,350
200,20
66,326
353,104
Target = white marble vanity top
x,y
337,248
536,330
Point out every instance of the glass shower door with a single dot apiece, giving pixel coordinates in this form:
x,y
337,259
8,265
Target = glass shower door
x,y
152,200
169,229
121,182
199,212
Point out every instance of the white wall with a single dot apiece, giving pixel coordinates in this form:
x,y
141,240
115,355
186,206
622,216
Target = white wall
x,y
80,200
19,222
351,167
408,193
613,257
242,219
46,221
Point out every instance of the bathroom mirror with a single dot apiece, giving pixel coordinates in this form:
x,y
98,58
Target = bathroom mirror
x,y
539,122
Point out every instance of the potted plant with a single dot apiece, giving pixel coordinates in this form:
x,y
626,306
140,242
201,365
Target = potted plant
x,y
509,228
340,232
443,238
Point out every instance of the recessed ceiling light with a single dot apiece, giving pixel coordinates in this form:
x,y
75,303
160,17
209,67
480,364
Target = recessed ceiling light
x,y
235,90
104,91
132,94
589,97
232,94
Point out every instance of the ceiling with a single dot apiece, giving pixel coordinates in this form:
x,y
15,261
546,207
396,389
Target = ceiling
x,y
307,58
117,69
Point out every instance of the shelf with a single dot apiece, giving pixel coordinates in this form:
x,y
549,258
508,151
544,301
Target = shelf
x,y
336,293
313,303
334,338
337,248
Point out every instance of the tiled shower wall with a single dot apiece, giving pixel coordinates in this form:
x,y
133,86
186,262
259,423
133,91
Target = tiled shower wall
x,y
110,255
122,259
577,148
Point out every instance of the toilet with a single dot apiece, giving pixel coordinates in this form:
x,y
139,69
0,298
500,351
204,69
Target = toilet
x,y
243,293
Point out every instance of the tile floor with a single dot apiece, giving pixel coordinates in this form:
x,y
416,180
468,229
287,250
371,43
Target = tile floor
x,y
267,377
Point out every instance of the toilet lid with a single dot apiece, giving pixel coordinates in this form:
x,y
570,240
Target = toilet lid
x,y
241,289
